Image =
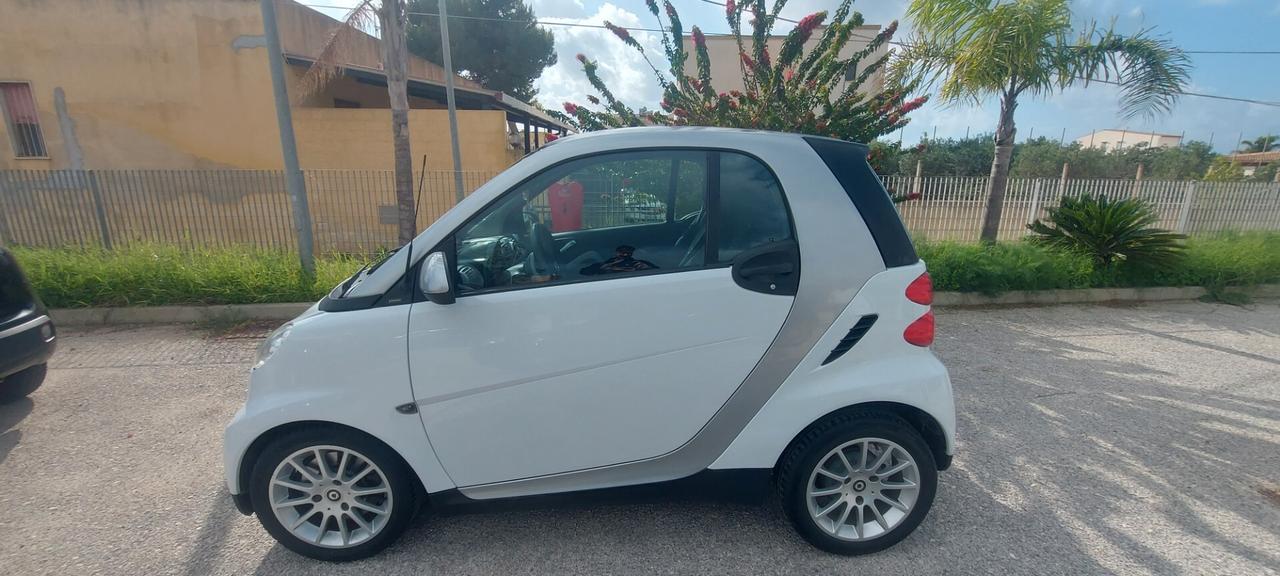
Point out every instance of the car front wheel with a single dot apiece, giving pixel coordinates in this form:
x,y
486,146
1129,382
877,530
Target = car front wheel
x,y
858,483
332,494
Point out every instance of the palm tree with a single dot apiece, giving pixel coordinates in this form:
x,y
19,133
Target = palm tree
x,y
1260,144
980,48
391,16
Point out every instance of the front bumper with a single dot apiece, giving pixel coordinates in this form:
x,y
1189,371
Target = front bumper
x,y
28,343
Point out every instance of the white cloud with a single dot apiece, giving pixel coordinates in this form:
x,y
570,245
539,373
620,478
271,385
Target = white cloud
x,y
621,67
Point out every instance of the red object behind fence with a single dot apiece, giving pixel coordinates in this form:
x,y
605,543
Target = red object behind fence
x,y
565,199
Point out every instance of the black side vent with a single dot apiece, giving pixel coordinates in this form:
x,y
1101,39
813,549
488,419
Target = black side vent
x,y
855,334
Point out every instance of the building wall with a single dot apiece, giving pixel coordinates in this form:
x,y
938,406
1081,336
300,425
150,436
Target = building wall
x,y
1120,139
184,84
726,73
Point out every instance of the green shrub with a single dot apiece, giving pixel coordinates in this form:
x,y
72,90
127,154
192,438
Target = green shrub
x,y
995,268
1232,259
155,275
1112,232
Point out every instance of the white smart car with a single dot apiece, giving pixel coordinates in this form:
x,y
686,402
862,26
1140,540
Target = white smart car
x,y
774,323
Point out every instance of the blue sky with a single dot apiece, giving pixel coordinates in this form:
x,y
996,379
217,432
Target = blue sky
x,y
1192,24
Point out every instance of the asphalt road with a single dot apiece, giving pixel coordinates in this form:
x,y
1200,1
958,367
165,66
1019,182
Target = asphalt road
x,y
1136,440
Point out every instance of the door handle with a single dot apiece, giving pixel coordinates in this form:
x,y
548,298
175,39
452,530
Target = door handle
x,y
769,269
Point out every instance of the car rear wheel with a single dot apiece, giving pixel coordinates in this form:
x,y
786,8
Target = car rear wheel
x,y
17,386
858,483
332,494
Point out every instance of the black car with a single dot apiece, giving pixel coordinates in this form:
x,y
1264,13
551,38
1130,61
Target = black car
x,y
27,336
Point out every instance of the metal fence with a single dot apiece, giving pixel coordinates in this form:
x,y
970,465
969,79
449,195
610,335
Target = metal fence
x,y
354,211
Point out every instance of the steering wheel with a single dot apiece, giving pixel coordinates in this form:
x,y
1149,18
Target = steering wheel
x,y
542,252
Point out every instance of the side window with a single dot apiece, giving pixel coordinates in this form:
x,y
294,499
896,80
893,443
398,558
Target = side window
x,y
752,210
591,218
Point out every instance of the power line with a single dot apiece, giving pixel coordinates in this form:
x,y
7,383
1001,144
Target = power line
x,y
714,2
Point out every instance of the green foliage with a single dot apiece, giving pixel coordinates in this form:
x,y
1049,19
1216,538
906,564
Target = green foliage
x,y
155,275
1260,144
507,54
1216,262
951,157
996,268
795,90
979,48
1110,232
1222,169
1267,173
1043,158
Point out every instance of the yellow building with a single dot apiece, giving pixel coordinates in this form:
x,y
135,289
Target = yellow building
x,y
184,84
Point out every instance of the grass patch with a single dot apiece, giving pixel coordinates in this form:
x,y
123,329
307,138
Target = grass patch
x,y
157,275
1216,262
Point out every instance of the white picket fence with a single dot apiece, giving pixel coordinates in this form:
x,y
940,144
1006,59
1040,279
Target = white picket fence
x,y
951,208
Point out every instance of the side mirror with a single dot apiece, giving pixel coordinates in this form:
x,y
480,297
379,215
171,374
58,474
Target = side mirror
x,y
433,279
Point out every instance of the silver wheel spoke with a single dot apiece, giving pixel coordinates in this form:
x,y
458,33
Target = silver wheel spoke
x,y
302,519
823,492
293,485
360,520
831,475
882,460
369,507
848,468
342,465
830,507
897,485
843,516
342,528
361,475
862,463
897,468
320,464
893,503
324,525
858,523
879,517
297,465
293,502
369,491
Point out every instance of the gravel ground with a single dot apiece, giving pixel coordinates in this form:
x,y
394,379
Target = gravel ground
x,y
1136,440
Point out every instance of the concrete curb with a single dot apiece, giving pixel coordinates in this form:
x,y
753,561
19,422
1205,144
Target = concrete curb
x,y
176,314
286,311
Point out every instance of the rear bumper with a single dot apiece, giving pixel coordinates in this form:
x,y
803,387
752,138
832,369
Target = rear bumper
x,y
28,343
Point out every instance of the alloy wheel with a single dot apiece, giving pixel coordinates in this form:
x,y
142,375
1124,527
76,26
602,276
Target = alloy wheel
x,y
330,496
863,489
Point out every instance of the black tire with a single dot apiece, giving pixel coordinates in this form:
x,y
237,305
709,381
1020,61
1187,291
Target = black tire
x,y
404,496
17,386
818,441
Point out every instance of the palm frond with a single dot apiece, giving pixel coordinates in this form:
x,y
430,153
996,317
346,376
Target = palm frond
x,y
1150,70
337,48
1112,232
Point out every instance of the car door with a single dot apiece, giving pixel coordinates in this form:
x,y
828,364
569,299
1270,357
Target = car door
x,y
623,354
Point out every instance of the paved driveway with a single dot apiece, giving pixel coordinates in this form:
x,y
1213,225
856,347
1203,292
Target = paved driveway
x,y
1142,440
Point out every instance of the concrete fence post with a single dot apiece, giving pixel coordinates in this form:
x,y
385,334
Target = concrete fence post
x,y
915,184
99,209
1034,213
1188,201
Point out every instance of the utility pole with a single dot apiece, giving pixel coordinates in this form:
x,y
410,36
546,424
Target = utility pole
x,y
453,107
293,183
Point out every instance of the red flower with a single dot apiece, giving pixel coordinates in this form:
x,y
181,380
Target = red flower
x,y
730,7
733,104
618,31
653,5
696,84
571,108
807,24
699,39
747,61
681,112
666,105
582,58
913,196
550,137
764,57
788,74
671,10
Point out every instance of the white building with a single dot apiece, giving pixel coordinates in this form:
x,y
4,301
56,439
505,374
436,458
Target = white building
x,y
1111,139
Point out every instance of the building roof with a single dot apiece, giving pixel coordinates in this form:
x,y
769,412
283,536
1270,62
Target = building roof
x,y
304,32
1134,133
1255,158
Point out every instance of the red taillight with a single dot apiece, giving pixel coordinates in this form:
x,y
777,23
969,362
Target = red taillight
x,y
920,332
920,290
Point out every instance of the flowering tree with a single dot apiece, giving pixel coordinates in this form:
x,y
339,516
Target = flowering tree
x,y
791,91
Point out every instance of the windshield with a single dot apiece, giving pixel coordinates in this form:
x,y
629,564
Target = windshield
x,y
366,270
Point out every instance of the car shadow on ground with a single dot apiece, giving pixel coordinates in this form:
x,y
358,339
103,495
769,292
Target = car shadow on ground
x,y
11,415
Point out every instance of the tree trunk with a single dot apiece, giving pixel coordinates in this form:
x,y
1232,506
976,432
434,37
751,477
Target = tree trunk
x,y
1005,133
395,62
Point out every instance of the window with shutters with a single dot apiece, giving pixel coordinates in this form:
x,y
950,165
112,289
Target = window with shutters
x,y
21,120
